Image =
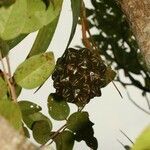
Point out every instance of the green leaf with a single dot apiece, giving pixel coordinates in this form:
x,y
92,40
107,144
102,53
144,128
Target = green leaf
x,y
44,38
18,89
26,16
65,141
6,3
13,42
12,19
4,47
26,132
58,108
80,124
77,121
143,141
28,108
10,111
86,133
41,131
3,88
47,2
29,120
35,70
75,5
38,15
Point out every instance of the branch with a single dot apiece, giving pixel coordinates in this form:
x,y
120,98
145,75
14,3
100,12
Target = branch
x,y
11,87
11,140
138,14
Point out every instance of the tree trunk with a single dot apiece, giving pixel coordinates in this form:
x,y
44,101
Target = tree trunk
x,y
138,14
10,139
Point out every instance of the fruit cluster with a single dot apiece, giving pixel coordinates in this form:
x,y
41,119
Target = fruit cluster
x,y
79,75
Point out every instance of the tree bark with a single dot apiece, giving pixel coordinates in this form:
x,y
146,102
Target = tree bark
x,y
10,139
138,14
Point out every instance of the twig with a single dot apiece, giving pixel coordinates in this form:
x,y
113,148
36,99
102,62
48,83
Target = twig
x,y
147,112
121,143
11,87
147,100
8,64
85,28
117,89
126,136
56,133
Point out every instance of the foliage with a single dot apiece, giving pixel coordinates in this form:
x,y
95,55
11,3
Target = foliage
x,y
143,141
78,75
117,43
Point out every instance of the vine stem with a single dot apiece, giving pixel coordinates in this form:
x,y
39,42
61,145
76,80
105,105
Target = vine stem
x,y
56,133
142,109
9,82
90,43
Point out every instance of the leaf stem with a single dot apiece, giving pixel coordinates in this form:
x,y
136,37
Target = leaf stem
x,y
57,132
10,85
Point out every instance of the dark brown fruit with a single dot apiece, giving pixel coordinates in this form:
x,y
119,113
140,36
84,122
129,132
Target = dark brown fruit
x,y
79,75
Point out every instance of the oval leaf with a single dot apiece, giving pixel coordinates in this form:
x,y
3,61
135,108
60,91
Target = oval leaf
x,y
75,6
29,120
143,141
43,38
38,16
65,140
12,19
41,131
58,108
77,121
11,112
26,16
35,70
28,108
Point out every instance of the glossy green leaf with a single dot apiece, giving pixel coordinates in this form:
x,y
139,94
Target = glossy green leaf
x,y
29,120
58,108
35,70
12,19
3,88
41,131
43,38
77,121
65,141
26,16
10,111
143,141
28,108
75,5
